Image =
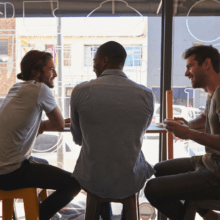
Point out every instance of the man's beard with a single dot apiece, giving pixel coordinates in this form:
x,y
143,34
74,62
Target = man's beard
x,y
97,73
199,83
47,82
50,85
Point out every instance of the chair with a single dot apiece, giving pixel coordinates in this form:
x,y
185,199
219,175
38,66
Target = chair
x,y
193,205
169,115
30,199
93,204
147,211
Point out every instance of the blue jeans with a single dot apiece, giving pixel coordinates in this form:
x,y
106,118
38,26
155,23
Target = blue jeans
x,y
181,179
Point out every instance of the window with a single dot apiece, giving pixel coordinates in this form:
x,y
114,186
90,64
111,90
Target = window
x,y
3,47
177,111
67,54
78,52
134,55
89,54
198,26
3,51
51,49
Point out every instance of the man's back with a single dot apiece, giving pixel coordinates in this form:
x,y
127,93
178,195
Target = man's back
x,y
114,113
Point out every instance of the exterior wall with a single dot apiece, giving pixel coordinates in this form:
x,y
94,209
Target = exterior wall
x,y
77,72
7,32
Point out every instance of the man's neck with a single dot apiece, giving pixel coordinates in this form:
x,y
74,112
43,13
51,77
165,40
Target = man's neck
x,y
212,83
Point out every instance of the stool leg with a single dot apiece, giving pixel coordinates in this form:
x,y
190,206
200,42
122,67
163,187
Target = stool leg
x,y
31,206
98,211
43,195
131,208
190,211
14,212
92,208
7,210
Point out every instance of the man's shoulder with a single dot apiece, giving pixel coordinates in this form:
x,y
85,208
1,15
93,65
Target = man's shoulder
x,y
145,88
216,94
81,88
84,85
141,87
218,89
27,86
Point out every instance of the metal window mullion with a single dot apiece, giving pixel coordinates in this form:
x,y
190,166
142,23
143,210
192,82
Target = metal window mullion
x,y
166,67
166,58
166,61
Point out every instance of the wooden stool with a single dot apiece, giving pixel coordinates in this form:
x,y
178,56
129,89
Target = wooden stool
x,y
30,199
203,204
93,204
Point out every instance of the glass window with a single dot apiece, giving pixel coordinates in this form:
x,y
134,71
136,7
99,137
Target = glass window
x,y
3,47
177,111
134,55
89,54
197,25
158,110
3,51
81,36
67,54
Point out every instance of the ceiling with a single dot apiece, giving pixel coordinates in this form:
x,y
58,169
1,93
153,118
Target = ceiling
x,y
78,8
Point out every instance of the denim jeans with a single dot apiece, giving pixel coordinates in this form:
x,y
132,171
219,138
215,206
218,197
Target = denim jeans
x,y
34,174
181,179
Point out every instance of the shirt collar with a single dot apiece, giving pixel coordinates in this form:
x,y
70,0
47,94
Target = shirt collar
x,y
115,72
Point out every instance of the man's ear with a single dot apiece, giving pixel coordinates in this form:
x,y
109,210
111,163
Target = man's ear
x,y
105,61
207,63
35,74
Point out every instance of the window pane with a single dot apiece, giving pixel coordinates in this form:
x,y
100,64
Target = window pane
x,y
3,47
80,39
196,26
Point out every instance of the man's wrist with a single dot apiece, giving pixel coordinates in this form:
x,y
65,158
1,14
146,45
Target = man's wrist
x,y
191,133
190,125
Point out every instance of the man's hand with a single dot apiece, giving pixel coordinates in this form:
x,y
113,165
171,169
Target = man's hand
x,y
182,120
180,130
41,128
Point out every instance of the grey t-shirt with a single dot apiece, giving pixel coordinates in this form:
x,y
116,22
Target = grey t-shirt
x,y
212,157
20,117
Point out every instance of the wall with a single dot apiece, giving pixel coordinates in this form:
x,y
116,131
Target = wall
x,y
7,32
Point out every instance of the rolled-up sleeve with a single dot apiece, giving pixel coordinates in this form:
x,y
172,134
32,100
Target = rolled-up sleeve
x,y
75,124
46,99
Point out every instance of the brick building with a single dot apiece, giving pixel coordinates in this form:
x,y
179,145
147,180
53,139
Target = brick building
x,y
7,55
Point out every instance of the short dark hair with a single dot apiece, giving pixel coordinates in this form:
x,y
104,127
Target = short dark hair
x,y
202,52
114,51
33,60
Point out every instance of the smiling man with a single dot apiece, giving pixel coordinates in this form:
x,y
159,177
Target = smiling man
x,y
197,177
20,123
48,75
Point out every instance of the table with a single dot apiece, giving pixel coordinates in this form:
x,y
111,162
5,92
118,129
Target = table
x,y
153,128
